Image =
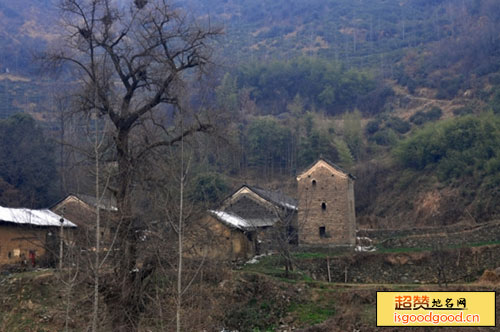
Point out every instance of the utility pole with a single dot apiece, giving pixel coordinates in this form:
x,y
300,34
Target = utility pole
x,y
61,233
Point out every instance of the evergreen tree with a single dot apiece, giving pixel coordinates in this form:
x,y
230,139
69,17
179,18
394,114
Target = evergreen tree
x,y
27,163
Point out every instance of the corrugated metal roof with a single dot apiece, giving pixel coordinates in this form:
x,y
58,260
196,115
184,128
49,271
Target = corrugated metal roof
x,y
43,217
238,222
262,222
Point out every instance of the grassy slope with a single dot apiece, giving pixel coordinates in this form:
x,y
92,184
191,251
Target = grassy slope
x,y
258,297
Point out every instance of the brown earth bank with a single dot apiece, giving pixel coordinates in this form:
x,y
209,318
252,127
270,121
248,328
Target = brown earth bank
x,y
388,196
353,315
438,266
433,237
226,301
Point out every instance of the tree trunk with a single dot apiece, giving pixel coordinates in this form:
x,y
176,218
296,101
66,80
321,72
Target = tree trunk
x,y
97,261
123,298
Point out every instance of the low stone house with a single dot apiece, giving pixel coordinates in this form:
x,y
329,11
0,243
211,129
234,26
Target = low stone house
x,y
26,235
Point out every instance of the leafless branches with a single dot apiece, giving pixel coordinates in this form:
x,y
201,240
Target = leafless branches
x,y
131,62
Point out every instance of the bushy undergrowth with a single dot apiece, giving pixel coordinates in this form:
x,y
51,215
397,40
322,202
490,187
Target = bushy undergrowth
x,y
465,147
422,117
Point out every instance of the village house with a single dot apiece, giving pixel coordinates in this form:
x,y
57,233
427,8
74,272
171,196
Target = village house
x,y
229,237
26,235
247,222
244,223
81,209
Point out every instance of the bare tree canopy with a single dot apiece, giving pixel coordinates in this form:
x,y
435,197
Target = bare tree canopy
x,y
132,57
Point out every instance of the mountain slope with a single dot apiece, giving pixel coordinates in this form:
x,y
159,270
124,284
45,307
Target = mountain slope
x,y
25,26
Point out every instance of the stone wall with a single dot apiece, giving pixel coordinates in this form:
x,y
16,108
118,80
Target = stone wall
x,y
459,265
451,236
326,208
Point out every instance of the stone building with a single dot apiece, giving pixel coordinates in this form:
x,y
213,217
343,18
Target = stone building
x,y
326,214
254,220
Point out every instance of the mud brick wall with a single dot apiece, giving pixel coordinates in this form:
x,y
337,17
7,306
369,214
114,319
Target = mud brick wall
x,y
84,216
213,239
17,241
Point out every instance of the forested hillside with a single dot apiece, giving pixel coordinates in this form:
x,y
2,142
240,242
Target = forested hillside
x,y
352,31
364,81
151,113
25,28
356,82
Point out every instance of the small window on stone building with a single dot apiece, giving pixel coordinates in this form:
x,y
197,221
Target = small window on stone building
x,y
322,231
323,206
313,183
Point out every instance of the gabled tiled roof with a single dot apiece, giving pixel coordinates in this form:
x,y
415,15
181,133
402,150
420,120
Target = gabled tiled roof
x,y
275,197
104,203
334,166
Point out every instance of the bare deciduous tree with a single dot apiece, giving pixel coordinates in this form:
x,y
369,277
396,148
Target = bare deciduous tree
x,y
131,60
285,235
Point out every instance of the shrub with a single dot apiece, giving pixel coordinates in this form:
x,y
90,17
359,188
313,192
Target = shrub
x,y
421,117
461,147
209,188
385,137
435,113
448,88
495,101
463,111
372,127
494,79
398,125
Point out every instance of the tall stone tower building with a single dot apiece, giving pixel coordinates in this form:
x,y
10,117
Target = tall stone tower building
x,y
326,214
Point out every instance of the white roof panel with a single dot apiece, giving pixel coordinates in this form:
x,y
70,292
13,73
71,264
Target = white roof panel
x,y
241,223
43,217
231,219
